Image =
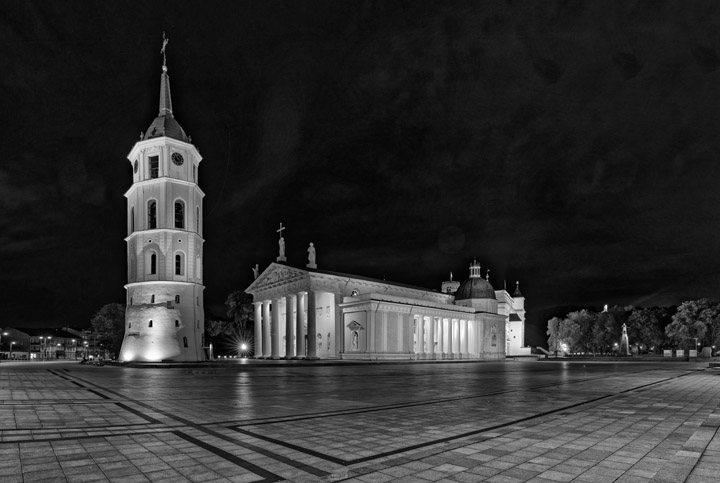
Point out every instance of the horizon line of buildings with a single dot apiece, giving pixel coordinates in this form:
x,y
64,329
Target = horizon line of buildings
x,y
45,344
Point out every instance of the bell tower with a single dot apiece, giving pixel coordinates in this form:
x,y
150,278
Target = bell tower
x,y
164,319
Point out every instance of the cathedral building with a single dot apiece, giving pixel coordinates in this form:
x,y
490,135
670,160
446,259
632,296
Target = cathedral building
x,y
318,314
164,315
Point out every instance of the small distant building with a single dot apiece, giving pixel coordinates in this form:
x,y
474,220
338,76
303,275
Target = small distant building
x,y
39,344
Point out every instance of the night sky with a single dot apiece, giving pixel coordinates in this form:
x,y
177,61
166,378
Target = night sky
x,y
570,145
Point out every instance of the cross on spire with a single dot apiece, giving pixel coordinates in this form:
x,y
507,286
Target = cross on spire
x,y
162,51
280,230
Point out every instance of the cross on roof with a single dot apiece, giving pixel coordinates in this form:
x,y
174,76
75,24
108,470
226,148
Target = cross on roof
x,y
280,230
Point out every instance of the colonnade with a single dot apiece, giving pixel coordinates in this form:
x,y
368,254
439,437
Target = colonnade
x,y
299,313
445,338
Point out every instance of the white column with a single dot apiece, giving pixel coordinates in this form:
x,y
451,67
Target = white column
x,y
339,329
456,338
464,338
258,330
432,354
441,339
382,332
420,337
450,338
275,329
289,342
266,329
312,326
301,320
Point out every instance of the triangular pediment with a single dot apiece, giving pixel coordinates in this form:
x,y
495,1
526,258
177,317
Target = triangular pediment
x,y
276,275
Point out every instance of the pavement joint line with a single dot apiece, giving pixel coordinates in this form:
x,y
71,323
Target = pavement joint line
x,y
221,436
441,440
147,418
267,475
325,414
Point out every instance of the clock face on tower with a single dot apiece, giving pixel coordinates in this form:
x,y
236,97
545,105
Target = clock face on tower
x,y
177,159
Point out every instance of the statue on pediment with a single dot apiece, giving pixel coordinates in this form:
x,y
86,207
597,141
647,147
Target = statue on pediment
x,y
311,256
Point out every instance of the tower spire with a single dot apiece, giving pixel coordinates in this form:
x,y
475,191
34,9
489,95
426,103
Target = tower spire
x,y
165,124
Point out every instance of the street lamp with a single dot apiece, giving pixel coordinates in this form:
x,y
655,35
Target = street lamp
x,y
4,333
11,344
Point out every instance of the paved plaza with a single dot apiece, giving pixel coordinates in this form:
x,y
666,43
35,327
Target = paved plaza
x,y
543,421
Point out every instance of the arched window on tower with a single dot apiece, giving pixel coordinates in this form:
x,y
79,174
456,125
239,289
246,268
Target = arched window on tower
x,y
179,214
153,264
197,219
152,214
177,299
132,220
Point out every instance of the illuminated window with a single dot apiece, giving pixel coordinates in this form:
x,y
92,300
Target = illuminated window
x,y
152,214
179,214
153,167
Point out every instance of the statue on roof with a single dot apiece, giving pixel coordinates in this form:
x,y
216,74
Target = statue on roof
x,y
281,245
311,256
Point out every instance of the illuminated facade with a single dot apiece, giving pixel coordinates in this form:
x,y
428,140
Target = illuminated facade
x,y
310,313
164,315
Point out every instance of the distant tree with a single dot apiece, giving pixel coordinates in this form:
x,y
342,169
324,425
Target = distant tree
x,y
564,334
240,309
650,325
109,326
584,322
215,328
695,319
605,331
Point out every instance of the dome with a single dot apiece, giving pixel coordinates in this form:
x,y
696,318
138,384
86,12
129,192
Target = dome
x,y
166,126
475,288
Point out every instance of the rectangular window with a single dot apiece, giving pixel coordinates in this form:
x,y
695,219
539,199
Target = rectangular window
x,y
185,341
154,167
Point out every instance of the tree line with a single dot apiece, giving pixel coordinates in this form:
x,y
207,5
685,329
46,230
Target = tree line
x,y
695,323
